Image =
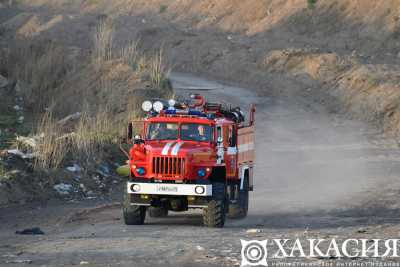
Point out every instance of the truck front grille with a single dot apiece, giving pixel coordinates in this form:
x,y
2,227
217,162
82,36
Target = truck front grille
x,y
168,166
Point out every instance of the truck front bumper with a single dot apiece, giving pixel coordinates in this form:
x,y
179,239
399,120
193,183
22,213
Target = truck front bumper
x,y
203,190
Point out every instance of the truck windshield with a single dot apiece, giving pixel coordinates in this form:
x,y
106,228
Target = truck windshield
x,y
196,132
162,131
188,132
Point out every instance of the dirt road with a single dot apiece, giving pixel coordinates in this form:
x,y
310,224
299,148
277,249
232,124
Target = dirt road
x,y
316,175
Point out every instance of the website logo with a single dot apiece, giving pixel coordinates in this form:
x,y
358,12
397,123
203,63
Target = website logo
x,y
256,253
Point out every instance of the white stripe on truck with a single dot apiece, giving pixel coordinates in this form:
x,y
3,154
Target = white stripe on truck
x,y
176,148
166,148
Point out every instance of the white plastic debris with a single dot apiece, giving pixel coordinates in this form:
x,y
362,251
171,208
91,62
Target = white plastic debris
x,y
21,154
82,187
74,168
253,231
63,189
84,263
199,248
21,119
17,108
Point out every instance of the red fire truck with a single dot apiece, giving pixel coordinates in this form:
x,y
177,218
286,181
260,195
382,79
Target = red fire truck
x,y
192,154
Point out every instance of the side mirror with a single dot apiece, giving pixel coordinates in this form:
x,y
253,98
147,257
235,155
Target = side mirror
x,y
130,131
138,140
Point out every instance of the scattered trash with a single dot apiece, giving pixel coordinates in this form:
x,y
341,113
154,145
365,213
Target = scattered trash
x,y
21,154
84,263
200,248
83,187
123,170
103,170
74,168
30,231
17,108
21,119
63,189
253,231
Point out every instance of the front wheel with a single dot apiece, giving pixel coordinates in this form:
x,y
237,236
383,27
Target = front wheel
x,y
133,214
214,213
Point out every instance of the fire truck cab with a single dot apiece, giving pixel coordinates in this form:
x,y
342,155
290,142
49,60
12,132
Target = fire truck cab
x,y
190,155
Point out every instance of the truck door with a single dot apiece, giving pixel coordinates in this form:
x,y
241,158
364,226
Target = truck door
x,y
231,150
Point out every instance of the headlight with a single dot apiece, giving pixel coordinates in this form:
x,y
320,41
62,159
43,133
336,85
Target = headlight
x,y
199,190
158,106
135,188
201,172
140,171
147,105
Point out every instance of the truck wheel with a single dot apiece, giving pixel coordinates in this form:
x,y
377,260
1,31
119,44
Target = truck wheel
x,y
214,214
133,214
157,212
239,209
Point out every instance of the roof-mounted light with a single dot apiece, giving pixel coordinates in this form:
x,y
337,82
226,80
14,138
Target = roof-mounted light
x,y
171,103
158,106
147,105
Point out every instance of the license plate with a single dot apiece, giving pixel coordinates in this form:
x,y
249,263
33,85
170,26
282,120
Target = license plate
x,y
167,189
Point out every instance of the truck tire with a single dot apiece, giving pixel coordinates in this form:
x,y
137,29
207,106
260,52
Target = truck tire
x,y
157,212
133,214
214,214
239,209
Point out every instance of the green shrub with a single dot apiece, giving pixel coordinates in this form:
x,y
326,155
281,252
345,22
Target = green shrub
x,y
163,8
311,3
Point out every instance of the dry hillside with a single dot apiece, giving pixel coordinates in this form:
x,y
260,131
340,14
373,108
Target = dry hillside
x,y
357,41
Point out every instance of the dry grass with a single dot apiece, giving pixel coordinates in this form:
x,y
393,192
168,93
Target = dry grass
x,y
85,144
52,147
130,54
157,70
103,42
92,135
105,81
